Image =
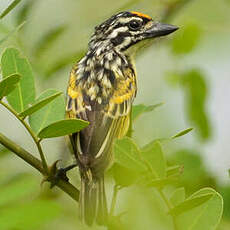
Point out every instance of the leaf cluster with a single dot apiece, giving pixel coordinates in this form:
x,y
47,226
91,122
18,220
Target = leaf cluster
x,y
144,166
147,167
47,112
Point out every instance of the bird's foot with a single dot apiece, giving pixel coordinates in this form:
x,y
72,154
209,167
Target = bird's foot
x,y
57,174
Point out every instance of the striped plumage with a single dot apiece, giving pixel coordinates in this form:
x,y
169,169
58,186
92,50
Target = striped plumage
x,y
101,90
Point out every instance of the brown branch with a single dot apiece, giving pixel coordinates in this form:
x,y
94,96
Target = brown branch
x,y
37,164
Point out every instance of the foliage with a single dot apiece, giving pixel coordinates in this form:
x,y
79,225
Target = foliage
x,y
187,39
140,109
40,113
171,186
150,166
8,84
10,7
50,113
24,93
195,89
147,165
202,210
62,128
37,106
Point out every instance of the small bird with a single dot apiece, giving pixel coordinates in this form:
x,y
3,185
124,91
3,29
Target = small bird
x,y
101,90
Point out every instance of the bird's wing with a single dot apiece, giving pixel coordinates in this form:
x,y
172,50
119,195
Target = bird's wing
x,y
107,120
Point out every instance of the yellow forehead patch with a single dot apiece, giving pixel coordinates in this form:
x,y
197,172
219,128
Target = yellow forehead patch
x,y
141,15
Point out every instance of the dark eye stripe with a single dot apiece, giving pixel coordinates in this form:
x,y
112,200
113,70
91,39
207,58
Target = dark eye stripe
x,y
118,25
122,25
120,38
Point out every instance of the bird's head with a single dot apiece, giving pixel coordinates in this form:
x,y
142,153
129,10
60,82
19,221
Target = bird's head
x,y
125,30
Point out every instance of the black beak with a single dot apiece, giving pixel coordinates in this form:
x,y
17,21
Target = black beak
x,y
160,29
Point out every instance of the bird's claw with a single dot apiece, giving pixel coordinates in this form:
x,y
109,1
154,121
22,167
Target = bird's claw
x,y
56,174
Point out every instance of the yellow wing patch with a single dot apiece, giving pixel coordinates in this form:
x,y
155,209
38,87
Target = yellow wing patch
x,y
122,98
72,80
126,89
72,91
75,99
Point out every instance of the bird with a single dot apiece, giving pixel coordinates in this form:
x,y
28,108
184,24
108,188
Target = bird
x,y
101,90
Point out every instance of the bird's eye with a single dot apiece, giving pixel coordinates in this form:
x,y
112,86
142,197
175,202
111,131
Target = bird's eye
x,y
135,25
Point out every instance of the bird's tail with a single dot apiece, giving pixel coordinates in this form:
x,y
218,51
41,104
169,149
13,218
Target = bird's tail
x,y
93,206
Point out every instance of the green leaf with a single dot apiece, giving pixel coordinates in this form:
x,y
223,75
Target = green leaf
x,y
115,222
190,203
8,84
11,6
225,193
29,215
24,94
178,196
50,113
48,39
128,155
62,128
206,215
138,110
159,183
182,133
195,174
40,104
16,188
153,154
123,176
186,39
195,88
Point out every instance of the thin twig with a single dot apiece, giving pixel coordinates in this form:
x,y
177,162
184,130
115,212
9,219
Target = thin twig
x,y
37,164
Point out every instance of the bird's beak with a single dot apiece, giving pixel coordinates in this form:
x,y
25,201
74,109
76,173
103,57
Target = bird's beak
x,y
160,29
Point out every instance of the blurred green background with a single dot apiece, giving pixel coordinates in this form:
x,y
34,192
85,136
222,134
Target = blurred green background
x,y
189,72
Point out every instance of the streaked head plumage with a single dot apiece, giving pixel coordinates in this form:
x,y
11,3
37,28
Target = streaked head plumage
x,y
126,29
